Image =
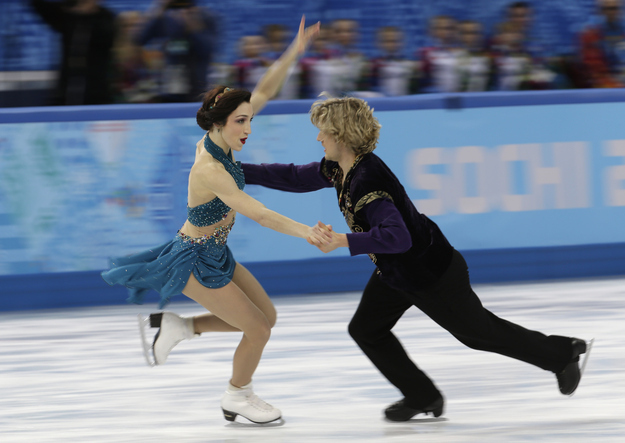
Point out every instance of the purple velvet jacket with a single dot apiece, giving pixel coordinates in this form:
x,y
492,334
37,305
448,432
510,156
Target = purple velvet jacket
x,y
409,249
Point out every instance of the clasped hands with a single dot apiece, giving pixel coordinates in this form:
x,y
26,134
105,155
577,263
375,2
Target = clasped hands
x,y
323,237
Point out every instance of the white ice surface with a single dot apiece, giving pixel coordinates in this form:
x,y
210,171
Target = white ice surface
x,y
79,376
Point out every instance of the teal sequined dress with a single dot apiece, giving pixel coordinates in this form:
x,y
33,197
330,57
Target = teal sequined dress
x,y
166,268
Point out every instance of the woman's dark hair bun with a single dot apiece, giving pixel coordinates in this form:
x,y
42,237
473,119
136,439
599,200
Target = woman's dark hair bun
x,y
204,119
228,100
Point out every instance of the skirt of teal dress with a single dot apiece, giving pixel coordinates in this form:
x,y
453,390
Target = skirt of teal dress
x,y
167,268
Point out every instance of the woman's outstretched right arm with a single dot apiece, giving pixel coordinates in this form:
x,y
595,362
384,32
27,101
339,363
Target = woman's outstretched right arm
x,y
223,185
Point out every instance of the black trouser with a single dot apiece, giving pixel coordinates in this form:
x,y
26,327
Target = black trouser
x,y
453,305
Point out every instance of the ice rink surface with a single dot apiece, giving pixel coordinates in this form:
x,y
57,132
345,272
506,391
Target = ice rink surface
x,y
79,376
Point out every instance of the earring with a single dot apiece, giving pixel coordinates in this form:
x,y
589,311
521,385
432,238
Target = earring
x,y
217,130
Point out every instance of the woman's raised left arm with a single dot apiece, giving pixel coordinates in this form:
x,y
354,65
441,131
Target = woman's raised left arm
x,y
270,83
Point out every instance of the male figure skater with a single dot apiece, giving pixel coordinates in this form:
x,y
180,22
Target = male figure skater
x,y
416,265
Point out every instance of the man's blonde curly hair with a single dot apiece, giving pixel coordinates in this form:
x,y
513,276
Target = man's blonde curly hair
x,y
349,119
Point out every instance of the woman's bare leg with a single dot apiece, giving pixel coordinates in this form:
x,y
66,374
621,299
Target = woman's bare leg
x,y
256,293
232,306
252,288
211,323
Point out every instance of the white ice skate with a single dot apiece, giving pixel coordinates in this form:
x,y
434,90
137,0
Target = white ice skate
x,y
244,402
172,330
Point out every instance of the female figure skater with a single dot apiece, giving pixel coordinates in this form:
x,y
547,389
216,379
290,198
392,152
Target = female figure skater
x,y
198,263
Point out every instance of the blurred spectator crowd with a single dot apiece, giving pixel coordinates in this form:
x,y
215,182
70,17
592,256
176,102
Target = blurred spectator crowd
x,y
166,54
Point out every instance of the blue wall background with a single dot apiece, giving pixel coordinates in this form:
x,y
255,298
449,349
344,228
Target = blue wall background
x,y
527,185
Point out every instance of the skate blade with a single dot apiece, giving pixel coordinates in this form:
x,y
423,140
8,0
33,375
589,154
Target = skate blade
x,y
586,355
144,323
231,416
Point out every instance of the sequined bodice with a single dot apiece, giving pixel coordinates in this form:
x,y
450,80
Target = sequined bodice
x,y
215,210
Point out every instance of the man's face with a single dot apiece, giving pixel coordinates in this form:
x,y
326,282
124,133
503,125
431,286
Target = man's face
x,y
390,41
252,46
332,150
323,39
444,29
471,35
345,32
521,16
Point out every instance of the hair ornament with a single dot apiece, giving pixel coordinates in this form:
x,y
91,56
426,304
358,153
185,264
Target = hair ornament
x,y
218,96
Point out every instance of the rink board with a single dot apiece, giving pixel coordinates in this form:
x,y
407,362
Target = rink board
x,y
527,185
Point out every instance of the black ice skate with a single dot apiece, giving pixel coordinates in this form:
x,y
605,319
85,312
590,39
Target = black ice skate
x,y
570,376
400,411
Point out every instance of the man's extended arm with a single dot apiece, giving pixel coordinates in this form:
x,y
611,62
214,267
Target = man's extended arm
x,y
286,177
388,233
